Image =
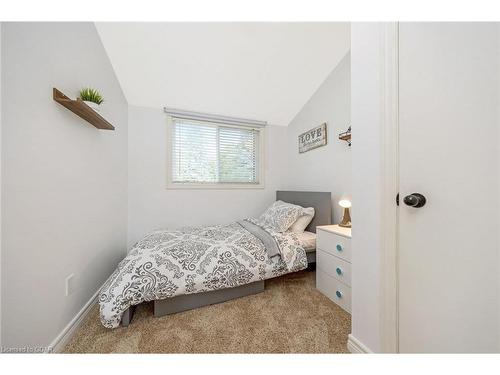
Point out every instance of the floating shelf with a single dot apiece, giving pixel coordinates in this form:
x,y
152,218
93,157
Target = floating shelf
x,y
346,136
81,109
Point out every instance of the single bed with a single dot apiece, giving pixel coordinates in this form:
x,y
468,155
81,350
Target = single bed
x,y
183,270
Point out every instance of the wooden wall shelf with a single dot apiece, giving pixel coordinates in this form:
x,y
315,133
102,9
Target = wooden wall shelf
x,y
81,109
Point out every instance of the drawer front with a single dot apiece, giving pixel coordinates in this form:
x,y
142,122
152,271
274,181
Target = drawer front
x,y
334,289
334,266
334,244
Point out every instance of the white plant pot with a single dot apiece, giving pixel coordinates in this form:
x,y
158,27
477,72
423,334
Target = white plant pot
x,y
92,105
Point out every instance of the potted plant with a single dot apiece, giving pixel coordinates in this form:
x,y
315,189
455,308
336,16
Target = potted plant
x,y
91,97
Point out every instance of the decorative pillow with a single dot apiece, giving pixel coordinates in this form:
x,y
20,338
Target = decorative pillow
x,y
280,216
303,221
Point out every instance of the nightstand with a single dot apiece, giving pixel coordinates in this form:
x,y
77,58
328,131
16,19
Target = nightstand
x,y
333,264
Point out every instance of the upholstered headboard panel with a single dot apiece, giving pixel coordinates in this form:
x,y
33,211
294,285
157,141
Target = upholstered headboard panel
x,y
321,201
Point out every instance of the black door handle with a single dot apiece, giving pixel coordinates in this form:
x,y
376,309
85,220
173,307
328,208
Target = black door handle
x,y
416,200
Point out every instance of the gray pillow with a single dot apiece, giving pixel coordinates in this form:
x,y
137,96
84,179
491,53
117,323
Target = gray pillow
x,y
280,216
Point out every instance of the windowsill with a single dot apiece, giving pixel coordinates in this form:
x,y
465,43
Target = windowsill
x,y
184,186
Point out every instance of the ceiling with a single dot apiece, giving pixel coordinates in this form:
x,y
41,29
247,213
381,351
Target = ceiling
x,y
261,71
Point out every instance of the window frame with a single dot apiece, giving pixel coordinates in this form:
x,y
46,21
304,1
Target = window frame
x,y
171,185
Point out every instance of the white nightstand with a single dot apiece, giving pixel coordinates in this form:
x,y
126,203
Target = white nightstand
x,y
333,264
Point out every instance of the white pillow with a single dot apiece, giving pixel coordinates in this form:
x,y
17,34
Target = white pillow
x,y
280,216
303,221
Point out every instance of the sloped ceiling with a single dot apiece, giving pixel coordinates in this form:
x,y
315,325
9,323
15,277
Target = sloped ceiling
x,y
261,71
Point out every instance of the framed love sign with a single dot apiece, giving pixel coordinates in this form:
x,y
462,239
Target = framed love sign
x,y
312,138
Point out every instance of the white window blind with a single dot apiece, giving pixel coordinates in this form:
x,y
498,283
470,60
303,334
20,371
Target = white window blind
x,y
213,153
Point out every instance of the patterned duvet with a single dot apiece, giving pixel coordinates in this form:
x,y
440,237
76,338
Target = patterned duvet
x,y
166,264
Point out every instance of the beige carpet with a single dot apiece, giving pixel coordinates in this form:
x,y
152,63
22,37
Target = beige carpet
x,y
290,316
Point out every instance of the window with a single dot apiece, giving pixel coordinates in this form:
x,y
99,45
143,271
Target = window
x,y
210,154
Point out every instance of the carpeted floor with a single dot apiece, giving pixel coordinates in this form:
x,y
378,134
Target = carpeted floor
x,y
290,316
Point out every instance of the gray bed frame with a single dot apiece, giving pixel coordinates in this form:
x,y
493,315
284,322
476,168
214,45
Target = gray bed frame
x,y
322,203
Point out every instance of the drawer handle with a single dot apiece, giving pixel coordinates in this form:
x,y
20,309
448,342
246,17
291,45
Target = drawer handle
x,y
338,293
339,247
339,271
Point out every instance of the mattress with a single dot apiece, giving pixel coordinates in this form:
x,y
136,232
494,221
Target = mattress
x,y
308,241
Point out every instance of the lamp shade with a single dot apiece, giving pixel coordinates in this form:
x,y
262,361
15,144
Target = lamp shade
x,y
345,203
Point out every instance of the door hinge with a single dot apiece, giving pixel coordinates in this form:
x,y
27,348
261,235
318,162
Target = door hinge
x,y
397,199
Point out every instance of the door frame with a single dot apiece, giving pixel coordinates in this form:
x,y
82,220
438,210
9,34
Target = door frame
x,y
389,53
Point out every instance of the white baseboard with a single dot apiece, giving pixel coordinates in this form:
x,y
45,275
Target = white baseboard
x,y
60,341
357,347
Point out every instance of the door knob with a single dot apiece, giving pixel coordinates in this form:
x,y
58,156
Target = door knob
x,y
415,200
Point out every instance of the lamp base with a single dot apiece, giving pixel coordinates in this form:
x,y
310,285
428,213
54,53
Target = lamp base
x,y
345,225
346,219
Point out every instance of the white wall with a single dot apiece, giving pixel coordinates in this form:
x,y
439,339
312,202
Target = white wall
x,y
498,184
366,112
152,206
326,168
64,187
0,183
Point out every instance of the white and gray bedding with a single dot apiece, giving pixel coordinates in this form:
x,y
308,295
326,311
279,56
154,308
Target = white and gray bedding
x,y
166,264
267,240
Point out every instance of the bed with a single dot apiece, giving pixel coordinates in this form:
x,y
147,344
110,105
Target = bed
x,y
184,269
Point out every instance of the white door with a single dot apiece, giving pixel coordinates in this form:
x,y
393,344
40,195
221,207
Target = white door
x,y
448,141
